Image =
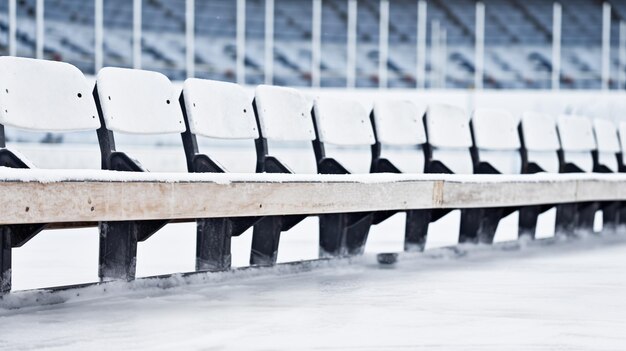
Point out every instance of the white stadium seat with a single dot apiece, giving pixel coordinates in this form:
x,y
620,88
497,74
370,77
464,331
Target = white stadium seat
x,y
44,95
449,138
541,142
577,141
497,140
608,145
138,102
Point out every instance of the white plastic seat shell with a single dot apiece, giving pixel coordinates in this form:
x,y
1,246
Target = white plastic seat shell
x,y
284,114
399,122
139,102
448,127
576,133
342,122
539,131
608,143
219,109
495,129
43,95
622,139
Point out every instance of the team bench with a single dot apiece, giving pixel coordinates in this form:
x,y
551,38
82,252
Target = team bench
x,y
425,161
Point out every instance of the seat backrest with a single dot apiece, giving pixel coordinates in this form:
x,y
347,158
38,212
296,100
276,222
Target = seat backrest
x,y
40,95
577,141
496,140
138,102
218,113
608,144
345,131
285,123
540,141
400,133
449,137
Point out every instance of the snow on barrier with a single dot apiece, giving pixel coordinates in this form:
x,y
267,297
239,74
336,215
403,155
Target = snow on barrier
x,y
424,160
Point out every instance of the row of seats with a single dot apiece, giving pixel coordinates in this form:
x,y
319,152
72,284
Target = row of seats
x,y
403,137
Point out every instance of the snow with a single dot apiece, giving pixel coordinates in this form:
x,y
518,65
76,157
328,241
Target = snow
x,y
399,122
284,114
219,109
45,95
342,122
495,129
139,102
448,126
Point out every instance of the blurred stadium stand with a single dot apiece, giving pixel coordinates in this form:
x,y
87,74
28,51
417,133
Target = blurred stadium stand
x,y
517,40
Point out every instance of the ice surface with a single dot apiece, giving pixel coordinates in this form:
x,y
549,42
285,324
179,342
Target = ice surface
x,y
139,102
219,109
495,129
399,122
342,122
45,95
448,127
284,114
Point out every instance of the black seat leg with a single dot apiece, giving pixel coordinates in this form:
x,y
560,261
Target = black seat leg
x,y
416,229
565,219
213,244
610,216
332,234
118,250
265,239
528,217
586,216
5,259
488,225
356,234
470,224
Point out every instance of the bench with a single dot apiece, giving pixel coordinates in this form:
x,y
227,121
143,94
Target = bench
x,y
221,112
130,101
540,153
37,95
575,156
399,148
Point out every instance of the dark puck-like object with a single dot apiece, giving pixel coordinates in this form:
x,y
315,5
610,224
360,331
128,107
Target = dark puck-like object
x,y
387,258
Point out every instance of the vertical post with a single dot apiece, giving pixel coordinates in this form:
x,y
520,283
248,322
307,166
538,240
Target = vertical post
x,y
443,49
606,44
190,37
556,46
269,42
622,54
421,44
241,41
479,49
12,27
316,43
98,35
383,44
351,47
137,34
39,32
435,41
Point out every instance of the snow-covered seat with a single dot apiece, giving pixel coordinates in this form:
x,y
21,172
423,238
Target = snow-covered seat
x,y
540,153
400,137
496,150
284,146
344,140
540,143
576,155
606,156
449,140
220,112
44,96
130,102
605,160
622,140
399,148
